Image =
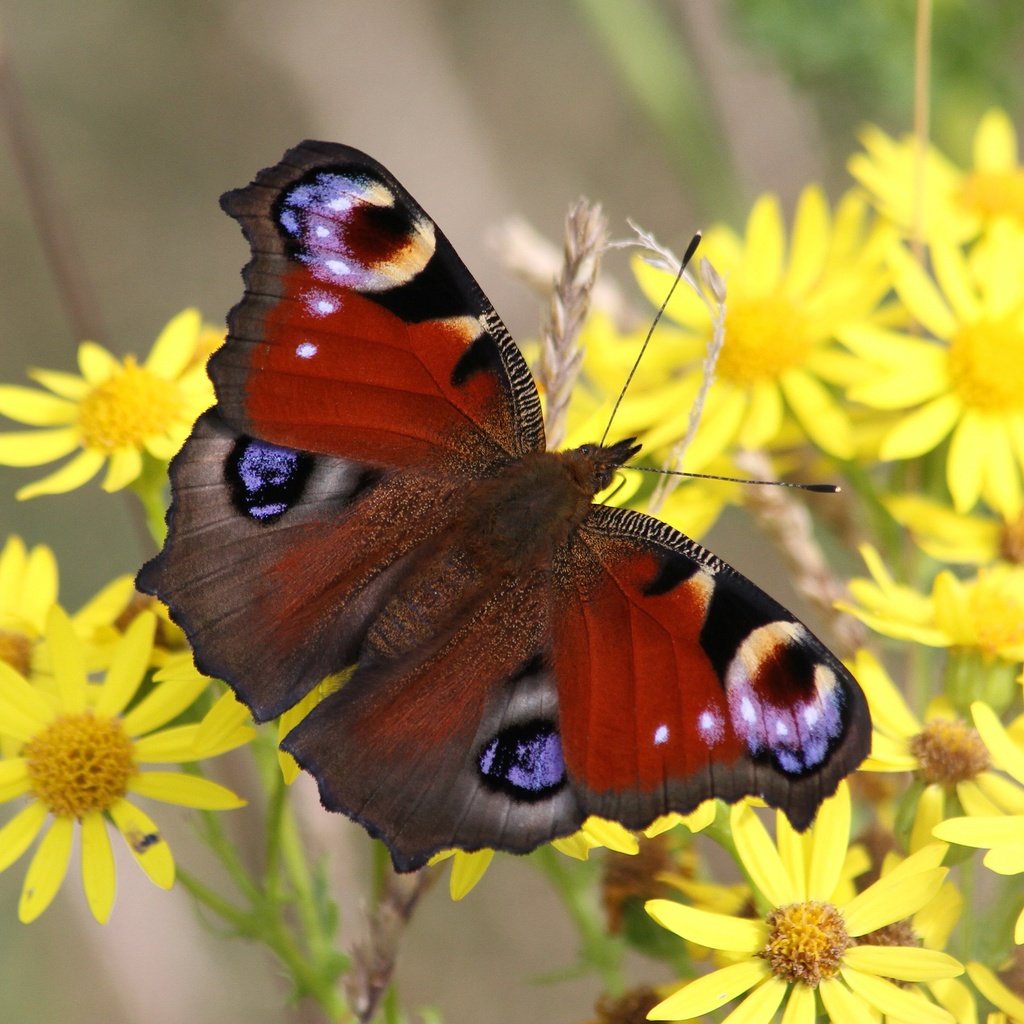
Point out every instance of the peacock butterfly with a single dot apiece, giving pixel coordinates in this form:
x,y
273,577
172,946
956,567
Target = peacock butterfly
x,y
372,488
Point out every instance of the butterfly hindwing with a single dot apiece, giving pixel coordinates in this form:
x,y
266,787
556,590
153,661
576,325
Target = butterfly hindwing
x,y
451,745
679,680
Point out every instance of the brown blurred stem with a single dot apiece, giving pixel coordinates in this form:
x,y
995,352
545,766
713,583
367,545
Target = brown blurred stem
x,y
374,957
50,220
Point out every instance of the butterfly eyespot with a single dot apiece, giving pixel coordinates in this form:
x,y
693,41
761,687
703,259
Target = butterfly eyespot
x,y
266,480
524,760
345,227
797,734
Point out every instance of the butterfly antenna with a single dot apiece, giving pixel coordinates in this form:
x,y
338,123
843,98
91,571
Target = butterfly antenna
x,y
687,256
816,488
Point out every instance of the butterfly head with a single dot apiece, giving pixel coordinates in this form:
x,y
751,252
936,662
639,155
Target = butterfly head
x,y
595,464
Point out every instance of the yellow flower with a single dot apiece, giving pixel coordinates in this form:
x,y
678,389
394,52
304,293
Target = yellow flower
x,y
951,203
982,616
78,759
111,414
998,823
779,359
809,942
948,756
966,384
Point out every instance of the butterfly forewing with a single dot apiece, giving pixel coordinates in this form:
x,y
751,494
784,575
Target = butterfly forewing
x,y
361,333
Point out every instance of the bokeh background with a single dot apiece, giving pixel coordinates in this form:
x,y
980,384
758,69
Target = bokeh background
x,y
136,116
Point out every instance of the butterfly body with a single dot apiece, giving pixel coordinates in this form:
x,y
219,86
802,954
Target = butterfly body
x,y
372,489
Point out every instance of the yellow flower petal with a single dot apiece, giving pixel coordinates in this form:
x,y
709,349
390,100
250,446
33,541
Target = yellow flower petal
x,y
1000,483
800,1007
761,266
831,836
711,991
809,243
930,810
74,473
36,408
168,746
20,832
889,711
954,277
900,893
127,667
794,849
39,590
1007,859
22,706
68,661
923,300
995,150
716,931
35,447
966,462
902,1003
760,857
467,870
1004,751
96,363
1005,794
98,876
842,1005
228,724
165,702
904,963
175,345
980,831
65,385
763,419
125,466
760,1006
145,842
184,790
46,871
611,835
995,991
921,430
13,778
822,418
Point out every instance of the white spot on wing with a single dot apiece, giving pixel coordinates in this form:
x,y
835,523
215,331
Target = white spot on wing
x,y
661,735
305,350
709,725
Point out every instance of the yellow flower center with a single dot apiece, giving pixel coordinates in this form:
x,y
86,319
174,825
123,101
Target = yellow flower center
x,y
986,363
16,650
806,942
991,193
949,751
996,605
763,338
128,408
79,764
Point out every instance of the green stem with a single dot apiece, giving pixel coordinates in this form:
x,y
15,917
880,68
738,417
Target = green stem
x,y
600,951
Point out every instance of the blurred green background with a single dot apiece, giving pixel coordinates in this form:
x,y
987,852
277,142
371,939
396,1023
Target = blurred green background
x,y
673,113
